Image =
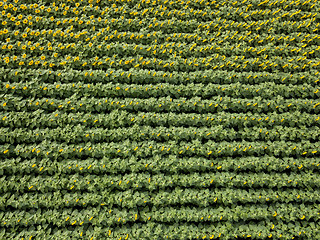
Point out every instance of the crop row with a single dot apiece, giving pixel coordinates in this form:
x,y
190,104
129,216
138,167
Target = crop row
x,y
177,197
147,181
186,65
78,134
82,19
96,216
62,42
151,230
162,105
129,148
125,119
95,5
156,164
144,77
205,91
174,46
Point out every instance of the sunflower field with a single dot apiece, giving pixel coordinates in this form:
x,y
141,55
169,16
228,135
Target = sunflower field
x,y
159,119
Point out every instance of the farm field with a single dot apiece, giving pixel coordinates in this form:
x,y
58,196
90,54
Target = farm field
x,y
159,119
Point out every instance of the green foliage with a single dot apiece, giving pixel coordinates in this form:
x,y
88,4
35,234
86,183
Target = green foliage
x,y
159,119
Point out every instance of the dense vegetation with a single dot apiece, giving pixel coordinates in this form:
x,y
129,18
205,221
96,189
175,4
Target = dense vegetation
x,y
164,119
